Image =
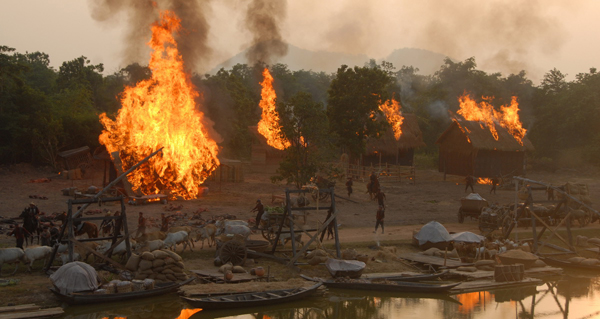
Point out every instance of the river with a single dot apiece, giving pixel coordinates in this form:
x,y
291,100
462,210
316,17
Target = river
x,y
569,297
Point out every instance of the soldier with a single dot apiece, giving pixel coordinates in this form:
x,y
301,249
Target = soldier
x,y
19,233
379,217
380,198
329,228
349,185
165,223
469,181
495,182
260,209
141,225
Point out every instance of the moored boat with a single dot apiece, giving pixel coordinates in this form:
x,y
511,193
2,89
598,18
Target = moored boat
x,y
252,299
89,297
567,264
387,286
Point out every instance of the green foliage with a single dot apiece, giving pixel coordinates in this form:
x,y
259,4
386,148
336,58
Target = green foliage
x,y
353,105
304,125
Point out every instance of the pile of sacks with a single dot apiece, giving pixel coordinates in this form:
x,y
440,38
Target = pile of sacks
x,y
160,265
583,241
316,257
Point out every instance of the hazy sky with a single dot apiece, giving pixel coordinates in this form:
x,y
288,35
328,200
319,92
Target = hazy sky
x,y
502,35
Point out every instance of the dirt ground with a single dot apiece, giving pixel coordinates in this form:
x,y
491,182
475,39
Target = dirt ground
x,y
408,208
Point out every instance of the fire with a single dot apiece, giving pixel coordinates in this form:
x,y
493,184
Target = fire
x,y
268,125
186,313
471,300
161,112
484,181
486,115
391,109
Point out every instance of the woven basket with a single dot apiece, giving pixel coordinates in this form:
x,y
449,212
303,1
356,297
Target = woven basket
x,y
138,285
110,288
149,283
125,286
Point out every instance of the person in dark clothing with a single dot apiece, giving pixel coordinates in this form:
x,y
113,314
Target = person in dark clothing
x,y
141,225
45,237
260,210
165,223
329,228
19,233
349,186
495,181
380,216
380,198
469,182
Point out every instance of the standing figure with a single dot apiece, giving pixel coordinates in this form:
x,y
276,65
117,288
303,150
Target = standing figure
x,y
469,181
260,210
550,192
164,227
329,228
495,181
380,198
380,216
19,233
349,186
141,230
45,237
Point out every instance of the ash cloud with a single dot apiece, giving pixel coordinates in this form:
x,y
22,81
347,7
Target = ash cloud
x,y
138,15
263,20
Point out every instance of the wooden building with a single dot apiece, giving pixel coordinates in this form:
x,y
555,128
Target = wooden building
x,y
263,153
388,150
469,148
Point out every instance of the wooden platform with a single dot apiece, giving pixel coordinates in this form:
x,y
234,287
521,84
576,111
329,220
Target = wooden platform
x,y
486,285
216,276
380,275
432,260
29,311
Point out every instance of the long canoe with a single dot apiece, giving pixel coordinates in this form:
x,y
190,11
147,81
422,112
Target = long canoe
x,y
568,264
398,286
79,298
414,278
252,299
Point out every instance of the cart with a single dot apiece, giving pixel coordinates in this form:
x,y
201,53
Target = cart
x,y
471,206
231,249
269,226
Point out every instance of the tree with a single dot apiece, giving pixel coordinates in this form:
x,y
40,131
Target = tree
x,y
304,124
353,105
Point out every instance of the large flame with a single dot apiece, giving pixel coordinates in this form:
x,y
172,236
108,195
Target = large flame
x,y
471,300
486,115
484,181
268,125
391,109
161,112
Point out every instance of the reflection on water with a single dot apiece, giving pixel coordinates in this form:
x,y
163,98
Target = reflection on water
x,y
570,297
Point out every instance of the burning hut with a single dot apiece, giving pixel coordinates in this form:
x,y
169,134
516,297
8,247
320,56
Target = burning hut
x,y
388,150
262,152
469,148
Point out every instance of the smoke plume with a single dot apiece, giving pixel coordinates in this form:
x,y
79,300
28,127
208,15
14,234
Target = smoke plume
x,y
263,19
140,14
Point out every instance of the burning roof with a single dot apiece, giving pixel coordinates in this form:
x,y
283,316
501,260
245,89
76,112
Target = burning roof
x,y
411,137
480,137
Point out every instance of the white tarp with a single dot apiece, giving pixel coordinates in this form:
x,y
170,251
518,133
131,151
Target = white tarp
x,y
433,232
474,196
75,276
467,237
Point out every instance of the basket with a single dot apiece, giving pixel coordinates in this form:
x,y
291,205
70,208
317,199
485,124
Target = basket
x,y
503,273
125,286
110,288
149,283
138,285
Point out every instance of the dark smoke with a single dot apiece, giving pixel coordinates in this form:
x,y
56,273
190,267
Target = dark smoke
x,y
140,14
263,19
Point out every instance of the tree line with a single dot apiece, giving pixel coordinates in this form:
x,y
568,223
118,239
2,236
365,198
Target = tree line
x,y
44,111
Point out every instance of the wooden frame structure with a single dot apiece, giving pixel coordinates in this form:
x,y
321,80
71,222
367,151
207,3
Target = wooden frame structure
x,y
534,218
289,216
116,238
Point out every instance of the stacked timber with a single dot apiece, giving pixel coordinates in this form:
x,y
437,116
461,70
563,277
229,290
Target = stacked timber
x,y
160,265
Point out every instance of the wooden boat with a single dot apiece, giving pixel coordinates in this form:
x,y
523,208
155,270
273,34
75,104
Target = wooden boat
x,y
567,264
252,299
398,286
89,297
416,277
345,268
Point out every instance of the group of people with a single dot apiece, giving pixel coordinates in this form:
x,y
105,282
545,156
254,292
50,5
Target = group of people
x,y
143,223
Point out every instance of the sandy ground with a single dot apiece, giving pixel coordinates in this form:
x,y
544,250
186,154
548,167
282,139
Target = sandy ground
x,y
408,208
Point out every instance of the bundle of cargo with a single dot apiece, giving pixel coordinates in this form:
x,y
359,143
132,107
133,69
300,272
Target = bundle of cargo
x,y
160,265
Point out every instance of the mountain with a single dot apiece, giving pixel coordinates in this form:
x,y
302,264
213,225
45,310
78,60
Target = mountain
x,y
300,59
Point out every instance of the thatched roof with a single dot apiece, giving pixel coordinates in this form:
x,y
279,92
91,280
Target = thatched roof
x,y
481,138
411,137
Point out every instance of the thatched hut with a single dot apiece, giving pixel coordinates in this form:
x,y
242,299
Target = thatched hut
x,y
262,153
387,150
469,148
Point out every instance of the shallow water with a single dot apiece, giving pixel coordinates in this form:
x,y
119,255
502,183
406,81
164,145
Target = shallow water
x,y
569,297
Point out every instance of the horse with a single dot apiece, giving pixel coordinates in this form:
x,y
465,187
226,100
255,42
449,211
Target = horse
x,y
373,188
88,228
30,223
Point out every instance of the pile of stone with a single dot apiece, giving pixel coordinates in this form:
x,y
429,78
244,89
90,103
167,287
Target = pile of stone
x,y
160,265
